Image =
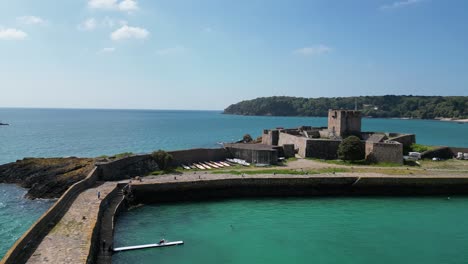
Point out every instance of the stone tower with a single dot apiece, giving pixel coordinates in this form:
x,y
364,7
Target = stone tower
x,y
342,123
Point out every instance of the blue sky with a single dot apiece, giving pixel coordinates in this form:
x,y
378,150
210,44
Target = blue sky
x,y
207,54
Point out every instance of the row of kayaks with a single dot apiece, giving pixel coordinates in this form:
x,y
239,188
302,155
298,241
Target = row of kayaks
x,y
208,165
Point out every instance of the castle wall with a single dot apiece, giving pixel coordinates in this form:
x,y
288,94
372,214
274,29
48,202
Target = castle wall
x,y
300,143
406,139
190,156
322,148
384,152
270,137
263,156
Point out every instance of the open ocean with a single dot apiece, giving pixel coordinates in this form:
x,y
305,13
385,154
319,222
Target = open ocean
x,y
90,133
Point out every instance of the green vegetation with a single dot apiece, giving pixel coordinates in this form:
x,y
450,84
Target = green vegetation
x,y
359,163
123,155
407,106
163,159
420,148
247,138
351,149
281,171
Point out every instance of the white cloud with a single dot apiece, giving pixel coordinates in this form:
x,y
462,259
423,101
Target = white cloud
x,y
313,50
12,34
177,50
92,23
31,20
106,50
128,5
126,32
102,4
88,25
399,4
124,5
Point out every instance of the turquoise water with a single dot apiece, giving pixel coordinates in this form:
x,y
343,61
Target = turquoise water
x,y
17,214
90,133
319,230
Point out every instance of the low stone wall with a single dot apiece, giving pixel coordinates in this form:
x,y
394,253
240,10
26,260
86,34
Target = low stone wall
x,y
25,245
190,156
443,152
455,150
127,167
291,186
94,246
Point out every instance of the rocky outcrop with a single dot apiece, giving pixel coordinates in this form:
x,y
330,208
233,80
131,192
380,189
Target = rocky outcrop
x,y
46,177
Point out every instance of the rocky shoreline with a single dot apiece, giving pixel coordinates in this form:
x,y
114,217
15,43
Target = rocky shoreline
x,y
46,178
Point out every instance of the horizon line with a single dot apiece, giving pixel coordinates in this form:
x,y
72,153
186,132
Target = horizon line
x,y
91,108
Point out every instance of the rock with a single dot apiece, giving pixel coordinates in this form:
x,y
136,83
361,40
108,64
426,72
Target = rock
x,y
46,177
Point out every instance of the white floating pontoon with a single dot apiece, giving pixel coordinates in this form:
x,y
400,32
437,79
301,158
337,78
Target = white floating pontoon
x,y
165,244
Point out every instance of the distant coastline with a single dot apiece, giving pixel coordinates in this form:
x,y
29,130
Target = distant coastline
x,y
445,108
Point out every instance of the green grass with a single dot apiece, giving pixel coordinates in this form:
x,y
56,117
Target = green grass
x,y
123,155
420,147
357,163
282,171
173,170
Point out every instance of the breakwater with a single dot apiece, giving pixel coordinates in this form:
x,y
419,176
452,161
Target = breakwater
x,y
231,186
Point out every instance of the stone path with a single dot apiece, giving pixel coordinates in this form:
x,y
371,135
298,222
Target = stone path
x,y
70,240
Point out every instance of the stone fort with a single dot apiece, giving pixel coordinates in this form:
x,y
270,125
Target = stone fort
x,y
323,142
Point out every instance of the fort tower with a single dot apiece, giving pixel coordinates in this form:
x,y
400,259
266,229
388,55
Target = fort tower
x,y
342,123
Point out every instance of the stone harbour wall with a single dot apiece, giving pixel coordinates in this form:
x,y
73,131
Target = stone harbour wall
x,y
291,186
26,244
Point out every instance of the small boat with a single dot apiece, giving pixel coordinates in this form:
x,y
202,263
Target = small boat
x,y
4,124
239,161
199,166
218,163
225,163
212,165
202,166
161,244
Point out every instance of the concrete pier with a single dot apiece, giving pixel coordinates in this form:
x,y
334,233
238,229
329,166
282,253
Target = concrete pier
x,y
71,240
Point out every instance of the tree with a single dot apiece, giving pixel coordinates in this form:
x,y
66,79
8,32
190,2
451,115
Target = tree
x,y
351,149
247,138
163,159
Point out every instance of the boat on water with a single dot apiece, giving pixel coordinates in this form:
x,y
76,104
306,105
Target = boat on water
x,y
4,124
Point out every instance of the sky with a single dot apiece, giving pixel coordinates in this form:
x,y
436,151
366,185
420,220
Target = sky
x,y
208,54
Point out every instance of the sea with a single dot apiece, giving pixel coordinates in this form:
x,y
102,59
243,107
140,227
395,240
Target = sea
x,y
96,132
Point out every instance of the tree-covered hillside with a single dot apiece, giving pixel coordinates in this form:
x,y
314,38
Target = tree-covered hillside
x,y
426,107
